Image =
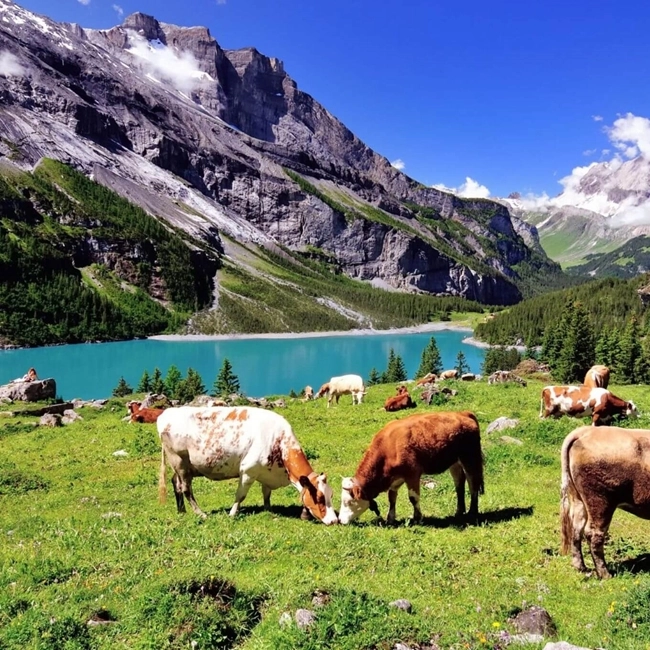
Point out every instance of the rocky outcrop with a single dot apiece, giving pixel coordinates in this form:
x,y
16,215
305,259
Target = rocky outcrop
x,y
29,391
206,147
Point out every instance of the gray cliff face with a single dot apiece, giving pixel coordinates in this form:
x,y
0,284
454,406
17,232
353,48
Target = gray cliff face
x,y
204,143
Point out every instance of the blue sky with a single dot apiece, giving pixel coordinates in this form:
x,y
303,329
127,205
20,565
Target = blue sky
x,y
502,91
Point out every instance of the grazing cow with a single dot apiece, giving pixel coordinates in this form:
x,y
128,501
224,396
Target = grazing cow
x,y
449,374
404,450
229,442
309,393
143,415
582,401
344,385
597,377
602,469
427,379
400,401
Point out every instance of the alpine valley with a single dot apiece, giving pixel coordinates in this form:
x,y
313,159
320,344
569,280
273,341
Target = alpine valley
x,y
151,180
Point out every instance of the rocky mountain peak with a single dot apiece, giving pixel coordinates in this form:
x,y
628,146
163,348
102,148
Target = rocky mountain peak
x,y
146,26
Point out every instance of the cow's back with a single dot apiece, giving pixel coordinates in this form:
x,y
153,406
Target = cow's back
x,y
432,441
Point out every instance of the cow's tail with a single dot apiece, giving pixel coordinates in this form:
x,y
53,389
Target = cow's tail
x,y
162,477
479,467
566,489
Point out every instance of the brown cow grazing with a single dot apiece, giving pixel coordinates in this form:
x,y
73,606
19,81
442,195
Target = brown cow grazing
x,y
427,379
144,416
582,401
602,469
597,377
405,449
449,374
400,401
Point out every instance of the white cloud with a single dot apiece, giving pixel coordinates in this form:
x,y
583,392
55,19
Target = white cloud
x,y
597,118
180,69
10,66
630,134
85,3
589,152
399,164
470,189
118,10
638,215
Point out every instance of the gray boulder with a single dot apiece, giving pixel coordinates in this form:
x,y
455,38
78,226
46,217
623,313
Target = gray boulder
x,y
502,423
534,620
70,416
563,645
50,420
29,391
304,618
401,603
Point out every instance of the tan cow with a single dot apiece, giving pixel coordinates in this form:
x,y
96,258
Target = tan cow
x,y
449,374
582,401
309,393
405,449
429,378
597,377
602,469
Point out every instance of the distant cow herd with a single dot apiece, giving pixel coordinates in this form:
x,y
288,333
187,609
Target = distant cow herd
x,y
603,468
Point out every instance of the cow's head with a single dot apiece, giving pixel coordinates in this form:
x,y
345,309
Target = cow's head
x,y
354,502
631,410
325,388
133,406
316,496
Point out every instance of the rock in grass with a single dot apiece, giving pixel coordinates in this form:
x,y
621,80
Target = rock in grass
x,y
525,639
563,645
534,620
305,618
511,441
70,416
501,423
285,619
120,453
320,598
401,603
50,420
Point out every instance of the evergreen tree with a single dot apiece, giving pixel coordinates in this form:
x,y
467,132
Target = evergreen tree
x,y
226,382
530,353
173,380
430,360
374,377
461,363
576,354
395,370
190,387
630,353
145,383
157,383
122,389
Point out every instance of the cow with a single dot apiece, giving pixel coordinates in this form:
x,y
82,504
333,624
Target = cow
x,y
143,415
597,377
427,379
400,401
602,469
504,376
344,385
582,401
308,393
448,374
250,443
405,449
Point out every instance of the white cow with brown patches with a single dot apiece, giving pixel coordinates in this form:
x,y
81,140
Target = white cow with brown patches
x,y
248,443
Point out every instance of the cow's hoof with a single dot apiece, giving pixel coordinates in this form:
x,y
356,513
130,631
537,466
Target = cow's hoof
x,y
305,515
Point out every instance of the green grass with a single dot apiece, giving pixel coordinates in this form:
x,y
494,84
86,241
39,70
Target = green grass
x,y
83,535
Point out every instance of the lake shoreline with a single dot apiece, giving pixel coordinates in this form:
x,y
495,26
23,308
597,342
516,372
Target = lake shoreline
x,y
413,329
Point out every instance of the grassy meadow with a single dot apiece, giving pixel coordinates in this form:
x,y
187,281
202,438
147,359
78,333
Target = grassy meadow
x,y
83,538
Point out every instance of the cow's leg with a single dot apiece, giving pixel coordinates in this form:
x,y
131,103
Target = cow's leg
x,y
189,495
329,400
392,500
183,484
473,470
458,474
600,517
178,493
413,484
578,522
266,495
245,482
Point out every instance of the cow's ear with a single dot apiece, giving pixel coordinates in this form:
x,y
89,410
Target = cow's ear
x,y
304,481
347,484
356,492
323,477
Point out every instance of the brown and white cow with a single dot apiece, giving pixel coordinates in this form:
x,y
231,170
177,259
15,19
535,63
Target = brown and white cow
x,y
405,449
400,401
582,401
143,415
602,469
449,374
429,378
597,377
343,385
248,443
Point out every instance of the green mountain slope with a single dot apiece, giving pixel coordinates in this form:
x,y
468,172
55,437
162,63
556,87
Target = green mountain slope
x,y
626,261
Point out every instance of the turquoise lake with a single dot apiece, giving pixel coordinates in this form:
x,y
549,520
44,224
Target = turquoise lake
x,y
264,366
